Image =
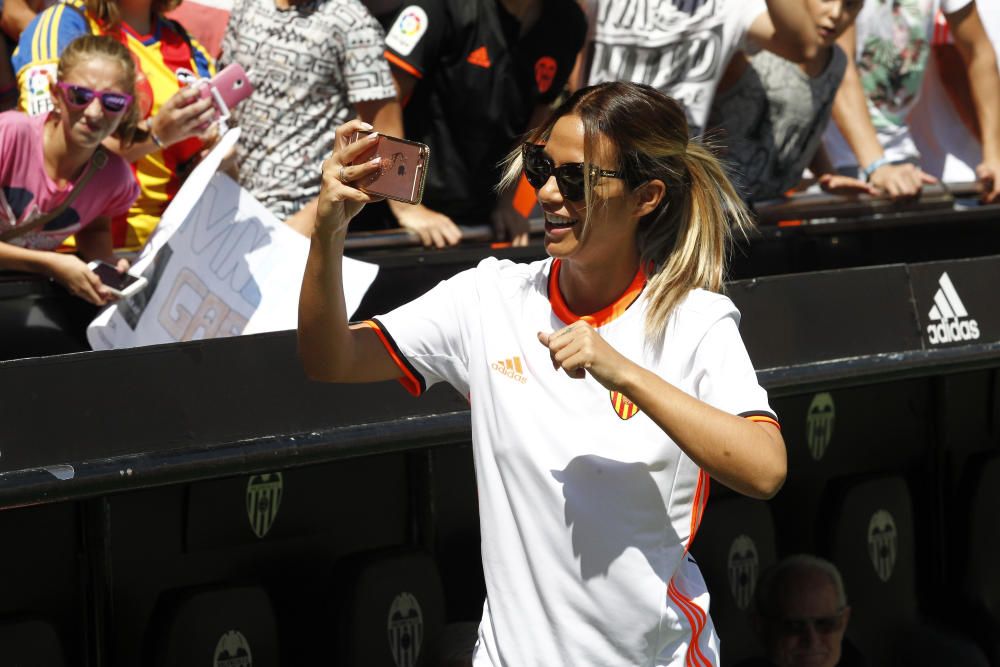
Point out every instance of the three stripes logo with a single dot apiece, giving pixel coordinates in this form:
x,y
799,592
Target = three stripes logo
x,y
623,407
511,368
949,320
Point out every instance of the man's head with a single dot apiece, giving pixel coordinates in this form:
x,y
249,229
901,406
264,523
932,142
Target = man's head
x,y
801,612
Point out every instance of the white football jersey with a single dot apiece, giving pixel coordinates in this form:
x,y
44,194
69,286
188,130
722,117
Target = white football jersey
x,y
587,508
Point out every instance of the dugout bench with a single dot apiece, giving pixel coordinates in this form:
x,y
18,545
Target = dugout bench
x,y
204,502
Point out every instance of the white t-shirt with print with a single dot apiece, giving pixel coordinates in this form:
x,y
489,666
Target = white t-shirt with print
x,y
680,48
586,506
893,44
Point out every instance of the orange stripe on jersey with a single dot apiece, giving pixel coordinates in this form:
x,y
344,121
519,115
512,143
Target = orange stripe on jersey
x,y
409,381
696,619
764,419
402,64
698,506
602,316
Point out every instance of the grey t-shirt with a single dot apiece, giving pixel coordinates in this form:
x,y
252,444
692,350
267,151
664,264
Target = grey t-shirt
x,y
772,122
309,65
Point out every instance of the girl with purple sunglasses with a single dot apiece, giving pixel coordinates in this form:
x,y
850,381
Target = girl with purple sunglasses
x,y
57,181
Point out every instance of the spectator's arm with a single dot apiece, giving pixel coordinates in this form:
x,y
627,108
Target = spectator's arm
x,y
94,241
984,82
8,82
16,16
433,228
850,113
67,270
787,30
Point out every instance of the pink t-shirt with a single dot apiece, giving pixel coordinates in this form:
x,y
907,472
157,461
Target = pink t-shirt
x,y
26,191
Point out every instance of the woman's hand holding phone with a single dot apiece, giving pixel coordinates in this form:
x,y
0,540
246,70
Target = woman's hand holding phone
x,y
339,199
73,273
186,114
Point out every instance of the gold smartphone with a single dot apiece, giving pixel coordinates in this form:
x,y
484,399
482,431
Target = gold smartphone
x,y
403,169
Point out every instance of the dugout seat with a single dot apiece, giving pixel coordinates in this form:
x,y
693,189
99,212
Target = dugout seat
x,y
978,574
733,545
30,641
222,626
869,523
389,609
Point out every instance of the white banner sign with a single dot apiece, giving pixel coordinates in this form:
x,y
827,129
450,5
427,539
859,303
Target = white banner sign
x,y
219,264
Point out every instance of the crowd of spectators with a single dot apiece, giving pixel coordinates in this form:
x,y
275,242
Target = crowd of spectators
x,y
760,78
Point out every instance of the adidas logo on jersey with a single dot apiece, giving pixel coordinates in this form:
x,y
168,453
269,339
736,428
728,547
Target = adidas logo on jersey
x,y
480,58
511,368
950,321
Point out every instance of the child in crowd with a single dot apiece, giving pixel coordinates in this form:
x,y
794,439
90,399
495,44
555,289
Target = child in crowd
x,y
682,48
57,180
772,112
167,60
888,51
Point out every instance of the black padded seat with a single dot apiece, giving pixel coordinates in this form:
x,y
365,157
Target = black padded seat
x,y
871,540
733,546
221,626
389,609
980,577
30,642
870,524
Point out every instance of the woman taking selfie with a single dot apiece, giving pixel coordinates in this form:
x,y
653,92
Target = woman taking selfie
x,y
607,383
173,118
57,180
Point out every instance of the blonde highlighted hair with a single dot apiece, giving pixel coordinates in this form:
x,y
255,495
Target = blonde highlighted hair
x,y
83,49
684,243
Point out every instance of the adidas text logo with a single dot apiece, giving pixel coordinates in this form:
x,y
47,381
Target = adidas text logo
x,y
511,368
950,321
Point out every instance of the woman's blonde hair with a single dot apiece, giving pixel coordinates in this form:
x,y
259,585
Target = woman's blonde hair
x,y
683,243
109,14
82,49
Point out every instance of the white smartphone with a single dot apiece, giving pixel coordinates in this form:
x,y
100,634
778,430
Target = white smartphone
x,y
122,285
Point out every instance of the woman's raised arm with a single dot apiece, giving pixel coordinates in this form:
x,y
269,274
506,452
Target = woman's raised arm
x,y
332,350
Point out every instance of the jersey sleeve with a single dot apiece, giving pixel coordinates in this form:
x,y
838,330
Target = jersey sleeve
x,y
202,60
725,378
428,338
415,38
366,71
37,54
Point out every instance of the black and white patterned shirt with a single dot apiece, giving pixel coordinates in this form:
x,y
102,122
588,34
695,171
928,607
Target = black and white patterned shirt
x,y
309,65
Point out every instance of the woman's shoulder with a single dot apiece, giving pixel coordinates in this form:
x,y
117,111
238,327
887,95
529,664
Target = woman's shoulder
x,y
508,277
706,307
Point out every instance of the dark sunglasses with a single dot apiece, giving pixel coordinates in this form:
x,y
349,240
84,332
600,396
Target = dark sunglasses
x,y
538,168
822,625
80,97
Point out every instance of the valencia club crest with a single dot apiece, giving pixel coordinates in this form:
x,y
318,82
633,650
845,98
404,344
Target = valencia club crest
x,y
623,407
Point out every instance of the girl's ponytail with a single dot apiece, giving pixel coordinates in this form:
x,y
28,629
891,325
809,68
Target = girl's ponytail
x,y
687,247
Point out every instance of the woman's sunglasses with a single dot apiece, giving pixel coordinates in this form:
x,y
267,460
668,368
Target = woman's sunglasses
x,y
538,168
80,97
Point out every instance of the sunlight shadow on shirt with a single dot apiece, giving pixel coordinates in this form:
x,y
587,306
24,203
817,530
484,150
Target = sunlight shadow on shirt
x,y
610,506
